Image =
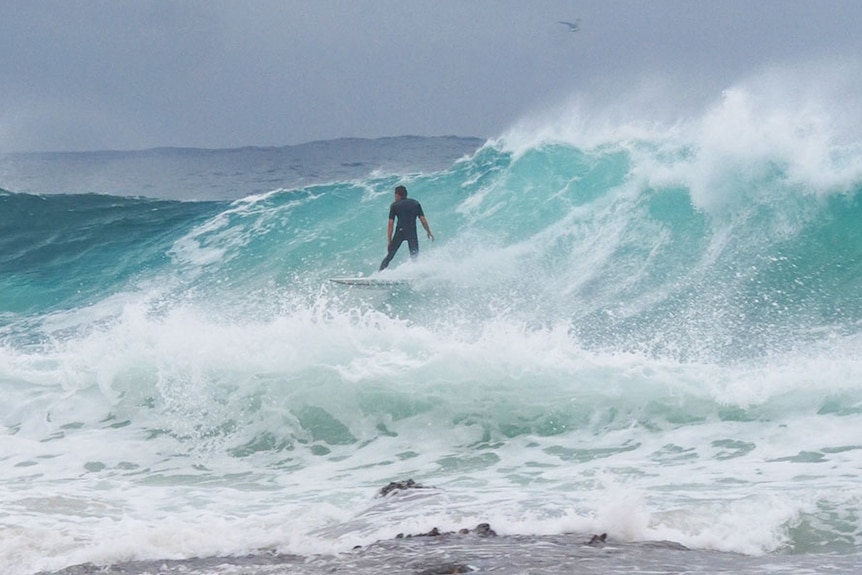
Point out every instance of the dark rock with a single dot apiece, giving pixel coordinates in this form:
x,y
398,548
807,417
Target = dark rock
x,y
433,533
484,530
598,540
399,486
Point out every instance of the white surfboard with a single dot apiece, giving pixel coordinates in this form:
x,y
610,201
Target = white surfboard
x,y
369,282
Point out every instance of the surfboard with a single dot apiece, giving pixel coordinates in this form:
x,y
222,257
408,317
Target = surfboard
x,y
369,282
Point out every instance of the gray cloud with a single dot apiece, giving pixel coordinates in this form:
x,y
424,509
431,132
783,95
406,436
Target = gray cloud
x,y
118,75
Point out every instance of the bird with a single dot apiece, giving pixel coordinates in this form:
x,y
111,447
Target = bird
x,y
574,27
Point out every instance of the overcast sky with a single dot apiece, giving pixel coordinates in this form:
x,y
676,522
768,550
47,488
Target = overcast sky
x,y
124,74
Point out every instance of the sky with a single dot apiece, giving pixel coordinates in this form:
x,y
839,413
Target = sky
x,y
80,75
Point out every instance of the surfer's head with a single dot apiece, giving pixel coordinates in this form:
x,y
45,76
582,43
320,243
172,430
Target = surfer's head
x,y
401,192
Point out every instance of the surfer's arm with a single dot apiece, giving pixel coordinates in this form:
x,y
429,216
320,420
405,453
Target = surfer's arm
x,y
426,226
389,232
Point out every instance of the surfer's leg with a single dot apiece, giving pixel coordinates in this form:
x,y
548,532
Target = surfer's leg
x,y
389,255
393,247
413,244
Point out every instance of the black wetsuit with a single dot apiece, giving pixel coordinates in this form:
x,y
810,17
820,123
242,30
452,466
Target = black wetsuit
x,y
406,211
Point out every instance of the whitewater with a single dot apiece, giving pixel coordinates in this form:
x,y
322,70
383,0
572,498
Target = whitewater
x,y
645,329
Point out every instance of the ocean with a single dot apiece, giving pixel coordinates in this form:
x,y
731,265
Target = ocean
x,y
652,331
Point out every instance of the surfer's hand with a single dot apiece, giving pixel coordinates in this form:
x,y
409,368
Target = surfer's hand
x,y
430,236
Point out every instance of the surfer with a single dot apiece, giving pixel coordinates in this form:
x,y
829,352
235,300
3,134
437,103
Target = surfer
x,y
406,211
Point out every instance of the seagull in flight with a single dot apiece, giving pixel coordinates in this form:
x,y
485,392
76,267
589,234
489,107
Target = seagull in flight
x,y
573,26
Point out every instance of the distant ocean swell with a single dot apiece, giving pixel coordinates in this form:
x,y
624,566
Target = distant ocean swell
x,y
654,335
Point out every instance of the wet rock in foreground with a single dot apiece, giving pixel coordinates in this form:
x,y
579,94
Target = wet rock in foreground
x,y
447,569
396,486
482,530
563,554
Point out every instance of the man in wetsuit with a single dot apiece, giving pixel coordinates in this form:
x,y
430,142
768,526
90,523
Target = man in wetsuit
x,y
406,211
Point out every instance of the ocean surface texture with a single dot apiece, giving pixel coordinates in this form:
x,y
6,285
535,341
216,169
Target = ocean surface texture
x,y
654,333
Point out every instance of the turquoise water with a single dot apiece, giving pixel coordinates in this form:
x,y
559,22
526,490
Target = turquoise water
x,y
656,336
